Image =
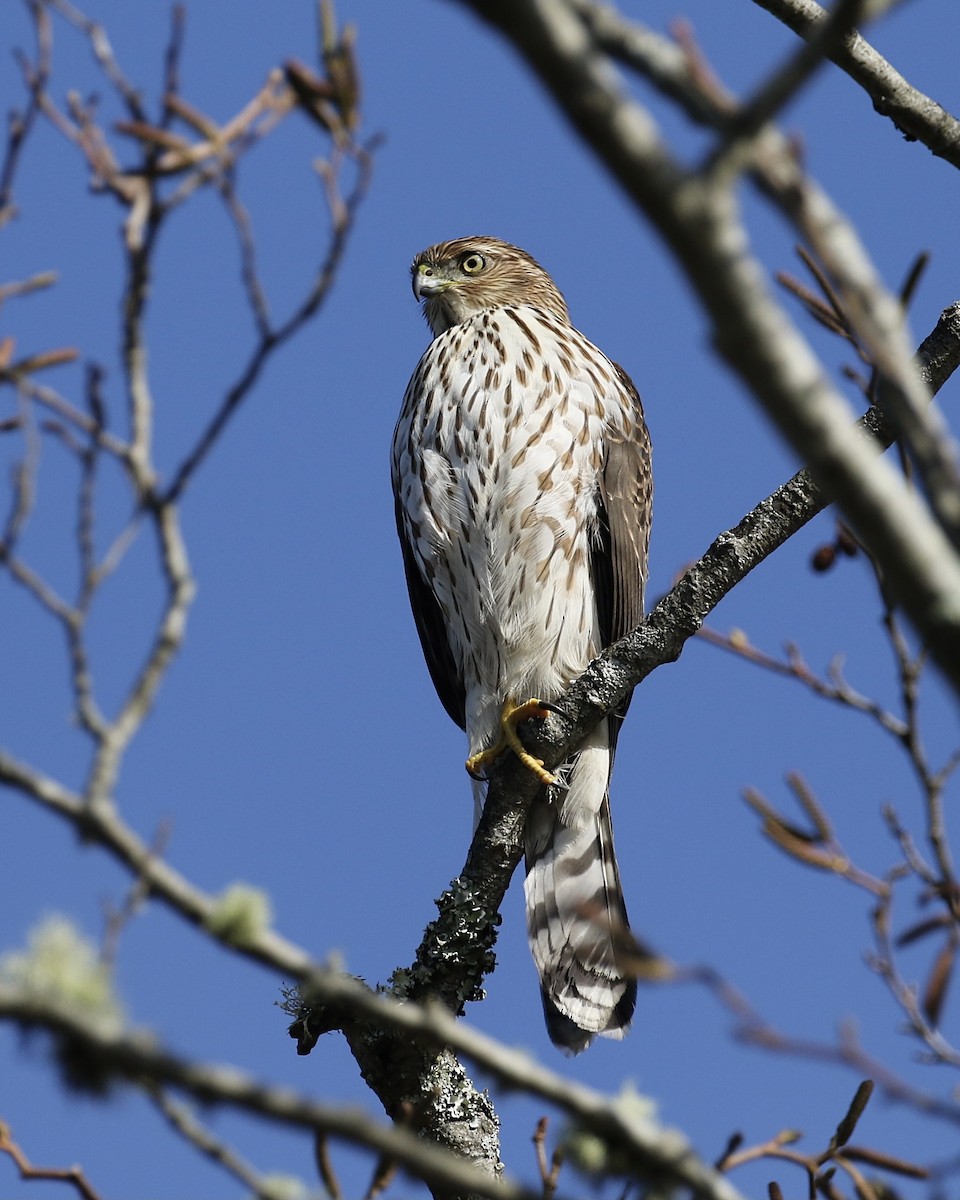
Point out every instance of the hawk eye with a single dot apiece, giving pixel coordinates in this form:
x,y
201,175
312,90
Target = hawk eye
x,y
472,263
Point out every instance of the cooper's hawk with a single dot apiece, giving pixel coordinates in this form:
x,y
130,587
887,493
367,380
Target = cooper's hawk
x,y
521,470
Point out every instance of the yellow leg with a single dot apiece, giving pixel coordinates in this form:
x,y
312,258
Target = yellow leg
x,y
511,716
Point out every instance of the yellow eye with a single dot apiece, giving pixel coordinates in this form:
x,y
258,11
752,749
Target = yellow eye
x,y
472,263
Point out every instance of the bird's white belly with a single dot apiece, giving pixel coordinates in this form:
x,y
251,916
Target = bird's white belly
x,y
518,507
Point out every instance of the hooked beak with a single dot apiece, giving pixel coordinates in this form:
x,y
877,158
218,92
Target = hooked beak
x,y
427,283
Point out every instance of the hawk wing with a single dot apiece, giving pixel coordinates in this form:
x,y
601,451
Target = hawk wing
x,y
619,561
575,908
432,629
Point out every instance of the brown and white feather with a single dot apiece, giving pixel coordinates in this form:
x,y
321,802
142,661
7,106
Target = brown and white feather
x,y
521,470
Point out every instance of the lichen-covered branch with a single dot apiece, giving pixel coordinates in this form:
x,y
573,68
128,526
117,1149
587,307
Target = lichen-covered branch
x,y
137,1057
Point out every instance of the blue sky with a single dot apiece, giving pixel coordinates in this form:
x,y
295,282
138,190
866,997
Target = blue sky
x,y
297,743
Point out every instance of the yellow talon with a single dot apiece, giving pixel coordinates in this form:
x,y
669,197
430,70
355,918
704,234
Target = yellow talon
x,y
511,716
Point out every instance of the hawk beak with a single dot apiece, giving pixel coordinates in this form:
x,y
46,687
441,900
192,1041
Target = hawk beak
x,y
425,285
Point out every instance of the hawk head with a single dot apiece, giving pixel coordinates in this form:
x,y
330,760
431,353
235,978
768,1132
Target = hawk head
x,y
455,280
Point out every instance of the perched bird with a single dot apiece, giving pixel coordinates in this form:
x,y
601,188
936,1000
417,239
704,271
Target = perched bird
x,y
521,471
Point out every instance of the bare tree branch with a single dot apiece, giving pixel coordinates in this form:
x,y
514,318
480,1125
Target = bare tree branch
x,y
669,67
36,76
831,687
786,80
138,1058
697,215
138,189
71,1175
104,825
271,338
917,116
184,1121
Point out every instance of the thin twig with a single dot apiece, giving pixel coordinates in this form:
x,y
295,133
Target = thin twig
x,y
752,1029
182,1118
103,52
784,83
269,342
794,666
25,287
117,919
328,1176
256,298
36,76
171,61
71,1175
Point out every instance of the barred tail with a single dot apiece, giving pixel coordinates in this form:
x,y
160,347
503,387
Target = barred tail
x,y
575,909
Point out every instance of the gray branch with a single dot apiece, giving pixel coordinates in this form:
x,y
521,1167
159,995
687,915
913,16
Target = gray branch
x,y
917,116
697,215
407,1052
93,1055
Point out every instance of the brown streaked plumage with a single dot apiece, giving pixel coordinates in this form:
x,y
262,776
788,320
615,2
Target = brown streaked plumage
x,y
521,470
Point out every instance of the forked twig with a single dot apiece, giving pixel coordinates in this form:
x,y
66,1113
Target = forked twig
x,y
71,1175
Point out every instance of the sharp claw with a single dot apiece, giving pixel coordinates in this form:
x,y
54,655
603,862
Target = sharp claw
x,y
530,710
513,715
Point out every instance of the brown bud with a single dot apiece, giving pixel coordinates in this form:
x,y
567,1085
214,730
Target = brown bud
x,y
935,991
846,542
824,558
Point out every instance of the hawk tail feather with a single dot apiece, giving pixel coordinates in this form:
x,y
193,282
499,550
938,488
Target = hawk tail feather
x,y
576,918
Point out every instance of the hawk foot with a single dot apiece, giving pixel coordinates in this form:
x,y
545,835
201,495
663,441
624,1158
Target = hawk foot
x,y
511,716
